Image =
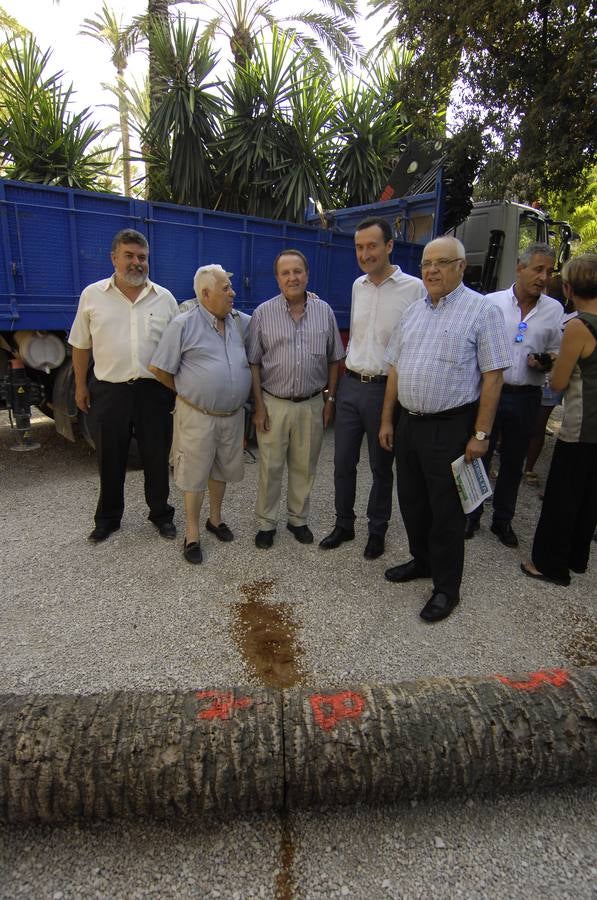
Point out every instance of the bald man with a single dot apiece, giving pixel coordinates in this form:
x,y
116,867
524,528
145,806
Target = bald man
x,y
446,359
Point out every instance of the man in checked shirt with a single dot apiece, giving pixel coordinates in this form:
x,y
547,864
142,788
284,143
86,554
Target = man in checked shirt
x,y
446,359
294,351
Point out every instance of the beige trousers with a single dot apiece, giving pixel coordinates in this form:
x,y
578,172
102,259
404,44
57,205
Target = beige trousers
x,y
294,438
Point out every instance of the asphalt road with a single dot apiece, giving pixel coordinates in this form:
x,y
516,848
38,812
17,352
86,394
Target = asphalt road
x,y
131,613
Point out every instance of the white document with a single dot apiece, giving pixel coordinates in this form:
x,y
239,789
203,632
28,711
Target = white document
x,y
472,483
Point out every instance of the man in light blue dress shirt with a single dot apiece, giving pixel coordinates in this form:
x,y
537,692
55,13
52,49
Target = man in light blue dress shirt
x,y
446,359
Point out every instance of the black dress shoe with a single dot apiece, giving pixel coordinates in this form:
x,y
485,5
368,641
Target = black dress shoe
x,y
221,531
302,533
337,537
264,539
438,607
166,529
470,527
505,533
101,532
375,546
406,572
192,552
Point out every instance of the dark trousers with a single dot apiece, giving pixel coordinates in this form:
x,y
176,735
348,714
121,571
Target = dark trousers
x,y
569,512
514,425
429,501
145,407
358,412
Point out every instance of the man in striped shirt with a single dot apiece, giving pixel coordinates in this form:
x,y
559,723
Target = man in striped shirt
x,y
445,360
294,351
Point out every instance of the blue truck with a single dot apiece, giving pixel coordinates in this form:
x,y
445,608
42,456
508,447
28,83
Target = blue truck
x,y
54,241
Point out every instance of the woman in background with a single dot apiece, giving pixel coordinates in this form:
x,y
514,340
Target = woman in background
x,y
569,515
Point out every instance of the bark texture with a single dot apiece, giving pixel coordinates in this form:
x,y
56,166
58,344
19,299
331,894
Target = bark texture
x,y
441,737
139,754
161,754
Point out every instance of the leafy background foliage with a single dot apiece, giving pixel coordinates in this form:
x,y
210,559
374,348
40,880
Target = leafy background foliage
x,y
300,114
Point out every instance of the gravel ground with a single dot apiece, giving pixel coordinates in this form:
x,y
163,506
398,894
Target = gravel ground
x,y
131,613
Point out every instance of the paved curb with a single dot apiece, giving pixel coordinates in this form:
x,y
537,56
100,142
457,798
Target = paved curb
x,y
119,754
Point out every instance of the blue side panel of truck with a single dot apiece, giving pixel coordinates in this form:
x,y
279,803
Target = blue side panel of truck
x,y
54,241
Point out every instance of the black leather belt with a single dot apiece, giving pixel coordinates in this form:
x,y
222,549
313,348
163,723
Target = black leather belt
x,y
367,379
521,389
295,399
444,413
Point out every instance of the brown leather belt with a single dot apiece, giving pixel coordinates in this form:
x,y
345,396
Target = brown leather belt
x,y
208,412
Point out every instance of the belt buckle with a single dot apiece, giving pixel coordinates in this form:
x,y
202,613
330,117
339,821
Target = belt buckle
x,y
367,379
132,380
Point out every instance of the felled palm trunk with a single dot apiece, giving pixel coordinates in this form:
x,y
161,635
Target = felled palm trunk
x,y
156,754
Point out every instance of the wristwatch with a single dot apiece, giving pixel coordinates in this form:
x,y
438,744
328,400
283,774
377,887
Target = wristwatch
x,y
481,436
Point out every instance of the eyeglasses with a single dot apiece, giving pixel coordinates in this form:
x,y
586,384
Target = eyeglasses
x,y
522,327
438,263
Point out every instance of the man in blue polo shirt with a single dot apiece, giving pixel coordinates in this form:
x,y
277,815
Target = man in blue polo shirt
x,y
202,357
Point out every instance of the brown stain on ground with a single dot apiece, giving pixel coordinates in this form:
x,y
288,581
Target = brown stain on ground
x,y
266,635
285,879
581,648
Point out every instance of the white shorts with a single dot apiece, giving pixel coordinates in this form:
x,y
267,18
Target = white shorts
x,y
206,447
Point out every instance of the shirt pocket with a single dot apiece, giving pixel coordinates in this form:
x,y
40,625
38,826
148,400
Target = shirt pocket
x,y
317,343
155,326
451,349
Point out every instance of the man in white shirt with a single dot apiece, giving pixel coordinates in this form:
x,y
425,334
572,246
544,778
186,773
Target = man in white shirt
x,y
379,298
534,327
120,321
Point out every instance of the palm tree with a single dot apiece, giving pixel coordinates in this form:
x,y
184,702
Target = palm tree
x,y
184,125
369,130
108,30
242,20
40,139
277,137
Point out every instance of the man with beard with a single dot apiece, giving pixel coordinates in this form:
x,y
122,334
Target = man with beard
x,y
120,321
534,327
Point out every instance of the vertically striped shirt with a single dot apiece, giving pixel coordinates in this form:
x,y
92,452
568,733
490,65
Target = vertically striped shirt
x,y
294,356
440,352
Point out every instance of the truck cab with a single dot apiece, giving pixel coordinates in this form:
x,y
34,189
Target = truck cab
x,y
496,233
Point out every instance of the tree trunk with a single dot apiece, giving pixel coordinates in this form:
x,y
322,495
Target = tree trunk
x,y
123,112
157,11
126,754
440,738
